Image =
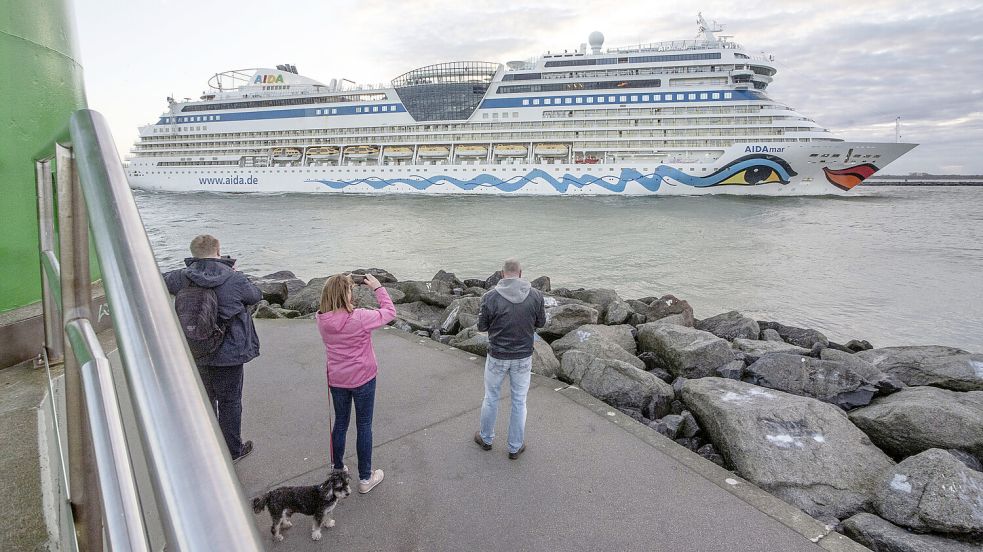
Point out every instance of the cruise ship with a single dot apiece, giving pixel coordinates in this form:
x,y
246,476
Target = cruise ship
x,y
679,117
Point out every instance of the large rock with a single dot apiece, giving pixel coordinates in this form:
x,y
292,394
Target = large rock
x,y
932,492
802,337
455,315
307,299
542,283
436,292
658,308
883,536
492,280
449,278
885,383
828,381
471,341
364,298
683,351
562,319
573,366
293,283
624,386
422,313
730,325
384,276
273,292
919,418
544,361
802,450
596,346
617,312
622,335
265,310
756,349
611,308
945,367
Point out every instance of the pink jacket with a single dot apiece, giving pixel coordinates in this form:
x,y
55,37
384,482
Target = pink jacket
x,y
348,341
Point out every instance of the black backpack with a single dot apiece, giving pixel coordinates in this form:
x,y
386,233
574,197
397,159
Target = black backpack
x,y
197,310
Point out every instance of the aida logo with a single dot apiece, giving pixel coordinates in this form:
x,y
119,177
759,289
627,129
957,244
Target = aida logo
x,y
268,79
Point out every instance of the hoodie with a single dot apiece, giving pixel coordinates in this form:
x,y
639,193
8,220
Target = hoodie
x,y
510,314
235,293
347,340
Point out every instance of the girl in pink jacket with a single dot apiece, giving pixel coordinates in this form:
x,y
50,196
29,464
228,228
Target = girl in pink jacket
x,y
347,335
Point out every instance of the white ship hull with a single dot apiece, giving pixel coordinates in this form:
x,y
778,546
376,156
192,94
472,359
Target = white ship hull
x,y
785,170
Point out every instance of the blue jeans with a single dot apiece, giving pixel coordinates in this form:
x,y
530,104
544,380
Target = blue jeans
x,y
364,398
519,372
223,385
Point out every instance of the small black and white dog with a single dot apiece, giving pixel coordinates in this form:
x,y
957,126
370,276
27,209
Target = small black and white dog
x,y
314,500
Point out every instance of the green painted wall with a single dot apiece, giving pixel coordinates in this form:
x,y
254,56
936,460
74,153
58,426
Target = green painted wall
x,y
40,86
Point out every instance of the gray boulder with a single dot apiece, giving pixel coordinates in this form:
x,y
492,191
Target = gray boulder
x,y
454,316
885,383
420,313
473,342
756,349
802,337
599,298
542,283
680,319
474,283
562,319
769,334
945,367
307,299
932,492
437,292
730,325
596,345
364,298
828,381
802,450
684,351
544,361
273,292
492,280
621,335
384,276
883,536
573,366
623,385
449,278
732,370
265,310
293,283
667,305
857,345
919,418
668,425
617,312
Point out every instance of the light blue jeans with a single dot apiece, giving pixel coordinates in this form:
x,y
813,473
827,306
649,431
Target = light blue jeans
x,y
519,372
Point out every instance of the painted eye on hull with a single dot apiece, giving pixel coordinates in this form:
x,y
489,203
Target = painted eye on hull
x,y
752,170
758,174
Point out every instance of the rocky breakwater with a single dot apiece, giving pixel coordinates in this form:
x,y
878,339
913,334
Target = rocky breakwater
x,y
886,444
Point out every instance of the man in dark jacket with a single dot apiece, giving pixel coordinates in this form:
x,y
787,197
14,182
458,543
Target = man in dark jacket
x,y
510,314
221,372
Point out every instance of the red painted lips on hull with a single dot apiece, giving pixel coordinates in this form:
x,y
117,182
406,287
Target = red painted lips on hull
x,y
846,179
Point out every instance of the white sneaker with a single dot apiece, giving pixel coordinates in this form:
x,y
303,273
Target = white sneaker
x,y
366,485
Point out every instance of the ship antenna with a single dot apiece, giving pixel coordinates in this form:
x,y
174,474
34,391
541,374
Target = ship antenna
x,y
897,129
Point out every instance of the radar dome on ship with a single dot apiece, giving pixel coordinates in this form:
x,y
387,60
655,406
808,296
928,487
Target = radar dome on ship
x,y
596,40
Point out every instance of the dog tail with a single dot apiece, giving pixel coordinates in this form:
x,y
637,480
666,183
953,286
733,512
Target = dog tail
x,y
260,502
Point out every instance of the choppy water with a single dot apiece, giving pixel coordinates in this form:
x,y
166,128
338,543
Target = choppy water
x,y
896,266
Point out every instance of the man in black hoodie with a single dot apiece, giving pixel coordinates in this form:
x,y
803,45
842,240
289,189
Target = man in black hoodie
x,y
221,372
510,314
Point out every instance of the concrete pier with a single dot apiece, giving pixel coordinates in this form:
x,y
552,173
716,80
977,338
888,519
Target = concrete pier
x,y
591,479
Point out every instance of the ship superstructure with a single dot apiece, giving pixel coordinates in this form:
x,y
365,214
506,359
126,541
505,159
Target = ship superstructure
x,y
682,117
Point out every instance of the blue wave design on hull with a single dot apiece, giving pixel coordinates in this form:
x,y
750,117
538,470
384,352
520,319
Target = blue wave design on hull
x,y
617,184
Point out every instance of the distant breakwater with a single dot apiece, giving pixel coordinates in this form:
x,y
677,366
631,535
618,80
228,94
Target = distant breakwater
x,y
883,444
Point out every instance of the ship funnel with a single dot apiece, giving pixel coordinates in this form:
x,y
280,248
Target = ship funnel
x,y
596,40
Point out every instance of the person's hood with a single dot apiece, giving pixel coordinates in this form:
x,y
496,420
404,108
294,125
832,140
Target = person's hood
x,y
209,273
515,290
334,320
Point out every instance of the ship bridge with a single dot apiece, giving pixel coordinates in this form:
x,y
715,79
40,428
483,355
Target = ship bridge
x,y
446,91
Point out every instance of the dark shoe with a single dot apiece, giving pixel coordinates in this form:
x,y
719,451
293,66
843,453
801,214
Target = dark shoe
x,y
247,447
514,455
481,442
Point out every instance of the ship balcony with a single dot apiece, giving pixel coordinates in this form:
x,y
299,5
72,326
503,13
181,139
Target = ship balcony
x,y
764,79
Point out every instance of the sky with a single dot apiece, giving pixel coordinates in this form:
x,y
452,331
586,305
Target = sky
x,y
852,66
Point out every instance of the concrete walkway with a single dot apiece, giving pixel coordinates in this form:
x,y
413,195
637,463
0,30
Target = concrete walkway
x,y
591,479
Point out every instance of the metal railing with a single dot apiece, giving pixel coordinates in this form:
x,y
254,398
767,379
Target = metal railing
x,y
193,488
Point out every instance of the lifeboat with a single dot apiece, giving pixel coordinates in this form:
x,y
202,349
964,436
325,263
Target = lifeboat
x,y
511,150
589,160
471,151
550,150
285,154
398,152
433,151
322,152
361,152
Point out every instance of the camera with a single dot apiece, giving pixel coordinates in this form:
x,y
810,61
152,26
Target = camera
x,y
358,279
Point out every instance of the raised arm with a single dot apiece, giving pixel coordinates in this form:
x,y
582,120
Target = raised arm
x,y
372,319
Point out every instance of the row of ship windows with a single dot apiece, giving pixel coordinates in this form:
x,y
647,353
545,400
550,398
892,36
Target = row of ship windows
x,y
630,98
675,69
650,124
